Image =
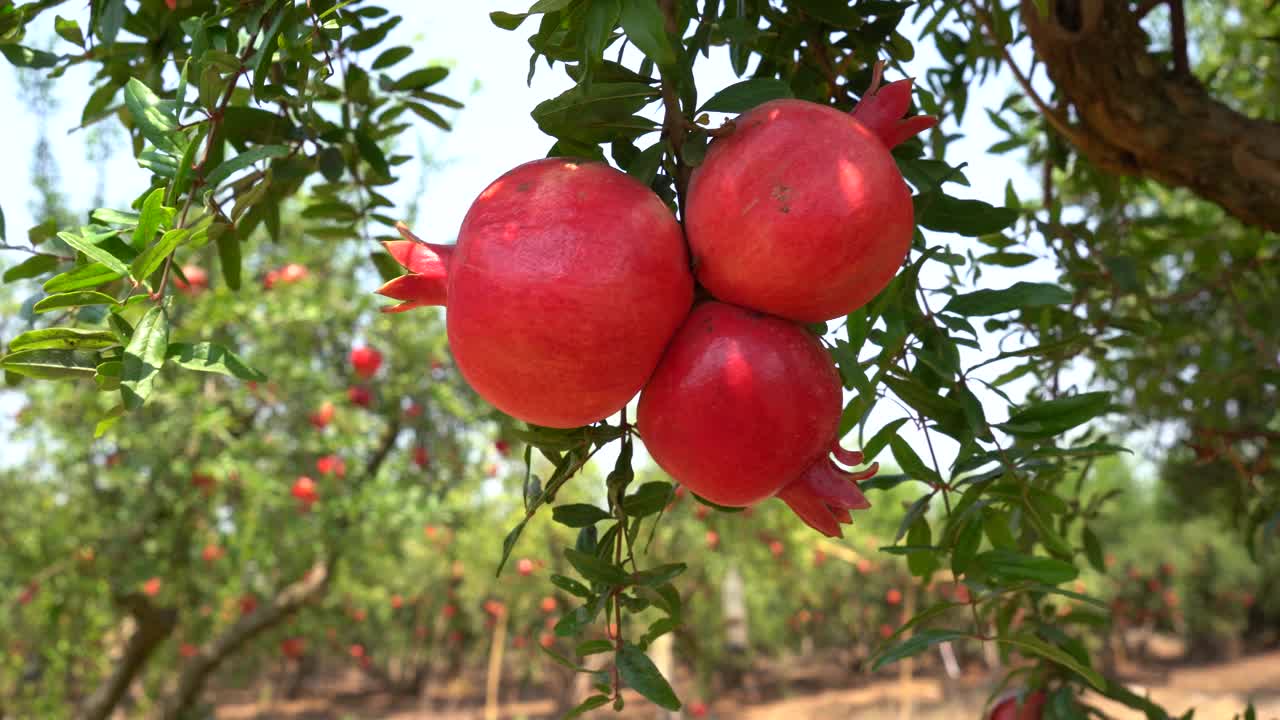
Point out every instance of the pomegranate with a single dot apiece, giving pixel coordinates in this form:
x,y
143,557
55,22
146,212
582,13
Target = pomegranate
x,y
743,407
211,553
197,280
331,465
293,648
397,602
304,489
203,482
365,361
893,596
248,603
567,281
546,640
359,395
1032,707
713,539
549,605
321,418
151,588
801,212
525,567
421,457
187,650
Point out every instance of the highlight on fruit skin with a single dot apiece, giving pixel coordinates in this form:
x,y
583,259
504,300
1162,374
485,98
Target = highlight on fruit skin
x,y
801,211
745,406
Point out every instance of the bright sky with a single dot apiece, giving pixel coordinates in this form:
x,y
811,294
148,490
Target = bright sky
x,y
492,134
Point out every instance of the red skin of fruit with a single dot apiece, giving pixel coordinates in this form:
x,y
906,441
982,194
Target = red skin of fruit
x,y
549,604
745,406
801,212
1032,708
713,539
293,648
187,650
420,456
546,640
568,279
893,597
151,587
248,604
211,553
359,395
304,489
776,548
197,280
698,709
321,418
525,567
365,361
356,651
886,631
397,602
331,464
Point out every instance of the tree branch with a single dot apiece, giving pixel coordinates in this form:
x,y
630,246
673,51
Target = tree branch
x,y
154,625
1137,116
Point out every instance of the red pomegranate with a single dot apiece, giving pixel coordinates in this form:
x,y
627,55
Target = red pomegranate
x,y
365,361
421,457
801,212
197,280
549,604
745,406
304,489
293,648
321,418
212,553
151,588
568,279
1032,707
525,567
331,464
359,395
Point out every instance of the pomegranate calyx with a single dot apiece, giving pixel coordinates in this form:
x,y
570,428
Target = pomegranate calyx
x,y
881,111
824,494
428,265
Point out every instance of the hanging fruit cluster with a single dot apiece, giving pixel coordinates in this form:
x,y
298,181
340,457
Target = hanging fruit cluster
x,y
572,287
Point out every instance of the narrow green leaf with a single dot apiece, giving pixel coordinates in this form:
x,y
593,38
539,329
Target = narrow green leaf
x,y
641,675
1093,550
646,29
590,703
1055,416
151,258
262,68
506,20
915,645
242,161
509,544
1030,643
648,499
73,299
143,357
157,124
372,154
1019,296
969,218
33,266
68,30
391,56
212,358
94,252
50,364
63,339
420,79
571,586
578,515
594,569
149,220
21,56
742,96
593,647
1011,565
229,257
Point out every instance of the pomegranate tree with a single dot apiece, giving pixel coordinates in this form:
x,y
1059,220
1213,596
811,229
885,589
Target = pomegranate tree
x,y
566,283
801,212
744,407
1015,708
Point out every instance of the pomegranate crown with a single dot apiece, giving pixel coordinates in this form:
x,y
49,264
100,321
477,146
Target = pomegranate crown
x,y
825,493
426,283
881,110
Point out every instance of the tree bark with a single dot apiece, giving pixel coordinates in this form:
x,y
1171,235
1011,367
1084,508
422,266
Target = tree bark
x,y
1137,115
154,625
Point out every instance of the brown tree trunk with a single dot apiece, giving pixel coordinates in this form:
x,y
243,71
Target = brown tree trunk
x,y
153,626
1135,114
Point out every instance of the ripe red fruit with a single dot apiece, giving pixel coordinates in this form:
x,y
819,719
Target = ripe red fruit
x,y
549,604
293,648
713,539
893,597
28,593
776,548
864,566
886,631
744,407
397,602
502,447
211,553
413,410
187,650
801,212
547,640
356,651
702,512
203,482
567,281
613,630
331,464
359,395
197,280
151,587
520,641
293,272
698,709
1032,708
495,608
365,361
321,418
248,604
359,615
304,489
450,611
525,567
421,457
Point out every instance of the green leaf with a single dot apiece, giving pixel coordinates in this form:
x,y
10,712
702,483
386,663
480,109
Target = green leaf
x,y
430,116
509,544
1019,296
661,574
578,515
506,20
742,96
593,647
571,586
1012,565
921,564
27,57
372,154
599,113
151,258
881,439
594,569
150,219
1055,416
73,299
157,124
143,357
1093,550
229,258
94,252
419,79
970,218
915,645
911,463
111,16
966,548
592,702
1030,643
63,339
391,56
266,51
68,30
648,499
601,18
50,364
641,675
242,161
646,29
212,358
33,266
